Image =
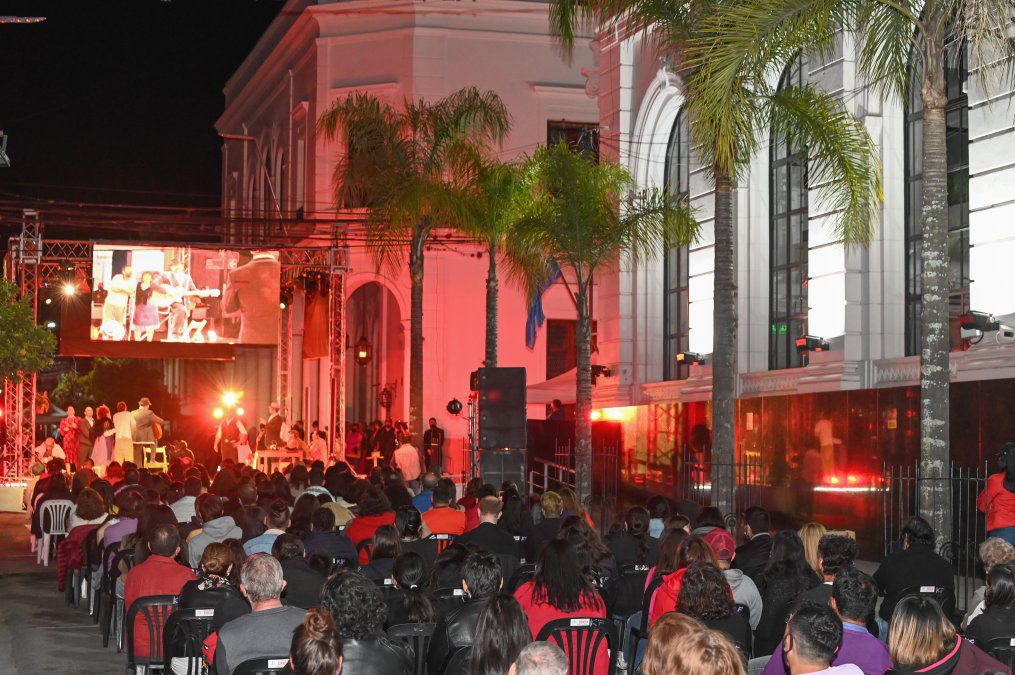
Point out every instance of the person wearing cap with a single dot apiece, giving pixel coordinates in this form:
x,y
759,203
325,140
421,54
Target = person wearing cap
x,y
745,592
144,432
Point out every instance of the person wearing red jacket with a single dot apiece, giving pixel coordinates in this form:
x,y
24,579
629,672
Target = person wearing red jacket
x,y
998,498
159,574
374,512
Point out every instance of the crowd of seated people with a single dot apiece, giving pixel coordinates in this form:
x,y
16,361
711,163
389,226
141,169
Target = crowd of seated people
x,y
324,568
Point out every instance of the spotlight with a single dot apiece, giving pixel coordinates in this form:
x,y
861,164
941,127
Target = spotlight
x,y
51,324
596,415
49,301
230,398
981,321
690,359
240,411
454,406
218,413
285,298
811,343
69,289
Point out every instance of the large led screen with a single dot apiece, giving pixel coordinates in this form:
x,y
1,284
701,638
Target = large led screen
x,y
184,295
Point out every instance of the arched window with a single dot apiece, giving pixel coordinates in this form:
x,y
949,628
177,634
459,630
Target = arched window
x,y
957,148
787,239
676,328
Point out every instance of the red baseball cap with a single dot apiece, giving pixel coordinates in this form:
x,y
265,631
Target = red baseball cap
x,y
721,542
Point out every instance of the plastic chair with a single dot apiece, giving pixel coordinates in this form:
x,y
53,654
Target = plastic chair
x,y
275,665
1001,648
155,610
183,636
459,662
443,541
524,573
112,610
630,589
53,521
366,545
581,640
416,638
945,597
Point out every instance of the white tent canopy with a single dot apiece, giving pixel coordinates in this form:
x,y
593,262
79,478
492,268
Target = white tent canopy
x,y
561,387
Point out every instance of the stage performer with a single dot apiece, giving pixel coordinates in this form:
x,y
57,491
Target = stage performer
x,y
85,437
120,293
231,433
103,436
174,283
123,426
253,291
144,429
275,428
70,434
146,314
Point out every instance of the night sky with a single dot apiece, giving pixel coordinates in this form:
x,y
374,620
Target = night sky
x,y
114,101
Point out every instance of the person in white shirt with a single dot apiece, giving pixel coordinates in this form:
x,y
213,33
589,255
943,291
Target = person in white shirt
x,y
406,460
123,429
121,289
318,449
49,449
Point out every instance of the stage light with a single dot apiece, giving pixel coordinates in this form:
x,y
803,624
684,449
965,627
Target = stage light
x,y
230,398
240,411
364,351
811,343
218,413
51,324
49,301
596,415
981,321
690,359
69,289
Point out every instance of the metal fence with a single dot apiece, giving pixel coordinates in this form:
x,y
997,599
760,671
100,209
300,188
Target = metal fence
x,y
901,500
546,475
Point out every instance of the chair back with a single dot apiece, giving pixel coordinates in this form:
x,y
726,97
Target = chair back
x,y
276,665
366,545
582,640
944,596
459,662
524,573
646,603
442,541
630,589
416,638
184,634
743,610
1002,649
56,512
155,611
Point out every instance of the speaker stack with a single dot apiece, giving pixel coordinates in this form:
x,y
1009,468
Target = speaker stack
x,y
502,424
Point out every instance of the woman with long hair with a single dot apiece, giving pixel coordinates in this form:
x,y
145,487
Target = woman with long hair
x,y
573,507
998,616
409,525
998,497
664,599
594,557
514,516
316,648
447,568
299,519
150,517
387,546
706,595
784,578
299,479
410,603
374,511
90,509
501,633
922,640
810,535
102,438
632,543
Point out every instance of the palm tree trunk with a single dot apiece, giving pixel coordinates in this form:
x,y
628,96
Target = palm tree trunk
x,y
491,307
583,400
416,334
724,349
935,493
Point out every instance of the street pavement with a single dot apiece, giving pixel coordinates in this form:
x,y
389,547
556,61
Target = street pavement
x,y
39,633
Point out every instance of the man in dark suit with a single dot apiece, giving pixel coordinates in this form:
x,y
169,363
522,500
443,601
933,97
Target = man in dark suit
x,y
487,536
253,291
433,446
752,555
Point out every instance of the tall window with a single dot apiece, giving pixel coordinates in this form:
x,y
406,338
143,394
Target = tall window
x,y
957,146
676,336
788,239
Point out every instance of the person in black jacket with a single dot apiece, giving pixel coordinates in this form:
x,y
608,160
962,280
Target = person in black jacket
x,y
487,536
551,509
706,595
752,556
481,578
302,582
632,544
914,566
359,611
407,599
323,538
409,524
386,548
786,576
998,617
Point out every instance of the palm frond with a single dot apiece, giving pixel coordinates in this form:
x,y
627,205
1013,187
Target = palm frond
x,y
984,28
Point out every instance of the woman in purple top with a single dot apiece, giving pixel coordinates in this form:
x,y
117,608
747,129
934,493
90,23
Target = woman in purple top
x,y
128,504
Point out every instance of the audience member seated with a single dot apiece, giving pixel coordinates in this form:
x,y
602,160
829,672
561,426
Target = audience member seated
x,y
215,527
810,535
267,630
456,629
915,565
424,500
276,520
540,658
385,549
184,506
921,639
853,598
594,558
659,511
669,555
128,504
159,574
678,645
502,632
316,487
149,518
557,592
835,554
325,540
409,525
374,511
752,555
444,518
813,636
316,647
302,582
998,617
705,595
408,602
744,591
303,509
632,544
356,605
516,519
708,519
786,576
665,599
447,568
89,510
487,536
248,515
551,510
994,551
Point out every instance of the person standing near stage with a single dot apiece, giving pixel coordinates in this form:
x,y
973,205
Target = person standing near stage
x,y
70,434
387,441
433,446
230,434
144,429
103,437
123,430
85,443
274,428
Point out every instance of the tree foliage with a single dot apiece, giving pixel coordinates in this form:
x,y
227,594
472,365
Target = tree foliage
x,y
25,346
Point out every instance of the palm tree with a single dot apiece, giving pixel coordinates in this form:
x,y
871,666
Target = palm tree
x,y
410,166
489,211
582,215
901,46
727,133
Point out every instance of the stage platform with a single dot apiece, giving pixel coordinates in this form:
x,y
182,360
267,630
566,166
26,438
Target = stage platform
x,y
11,496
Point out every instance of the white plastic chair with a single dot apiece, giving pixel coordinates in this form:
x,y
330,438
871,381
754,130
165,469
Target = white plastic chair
x,y
57,512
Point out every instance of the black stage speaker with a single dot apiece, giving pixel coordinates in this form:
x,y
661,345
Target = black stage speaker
x,y
501,407
497,466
